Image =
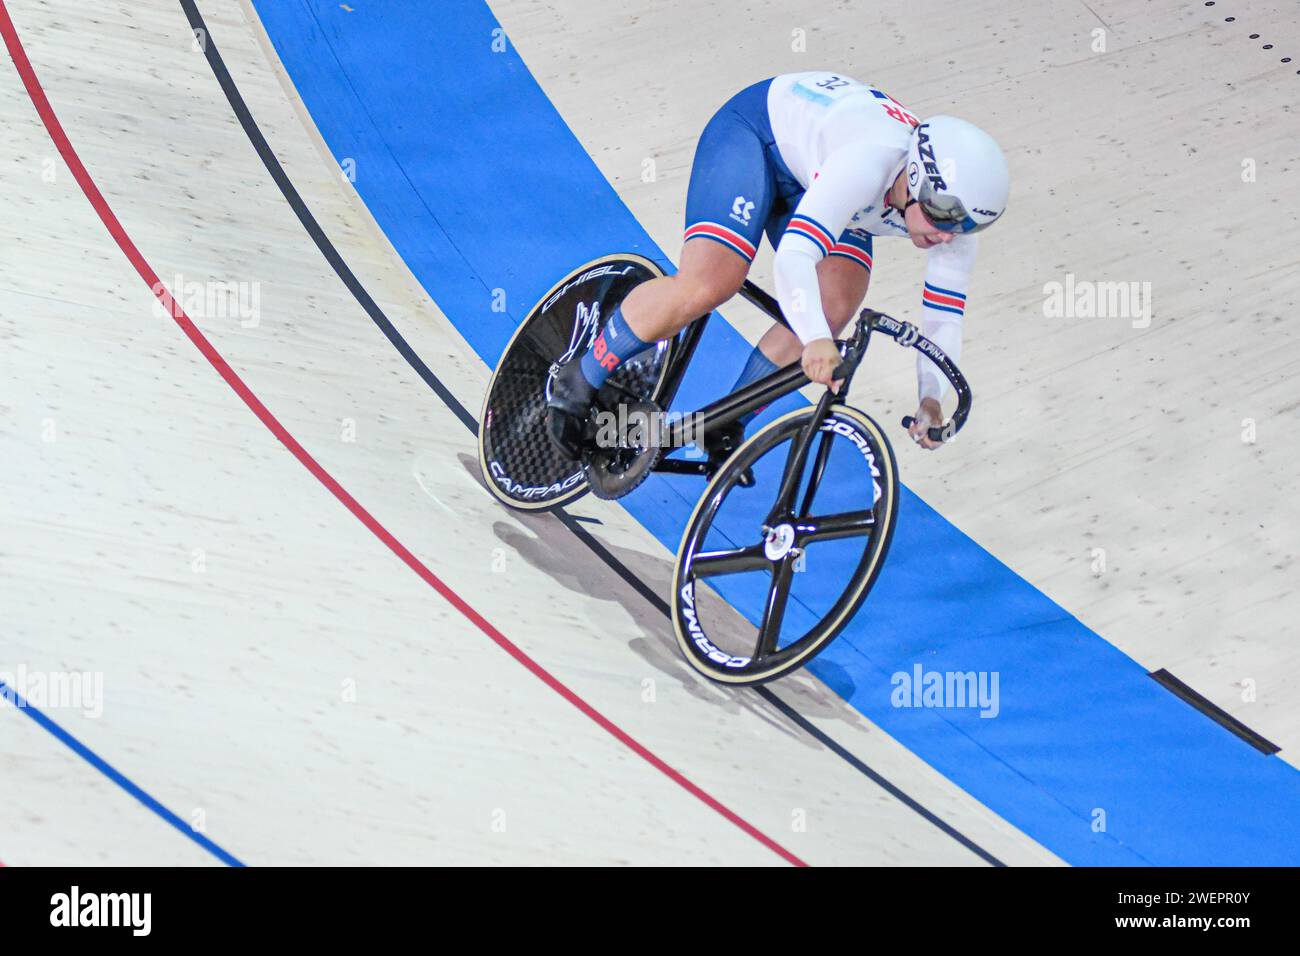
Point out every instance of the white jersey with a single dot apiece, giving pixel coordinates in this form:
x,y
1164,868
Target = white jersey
x,y
846,142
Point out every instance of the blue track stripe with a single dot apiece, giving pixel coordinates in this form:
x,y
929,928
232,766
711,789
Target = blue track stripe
x,y
112,773
573,523
481,186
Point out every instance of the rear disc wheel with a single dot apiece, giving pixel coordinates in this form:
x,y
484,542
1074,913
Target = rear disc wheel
x,y
519,464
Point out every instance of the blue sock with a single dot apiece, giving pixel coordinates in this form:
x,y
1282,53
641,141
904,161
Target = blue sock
x,y
758,366
615,344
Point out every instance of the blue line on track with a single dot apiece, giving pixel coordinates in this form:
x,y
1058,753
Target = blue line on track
x,y
115,775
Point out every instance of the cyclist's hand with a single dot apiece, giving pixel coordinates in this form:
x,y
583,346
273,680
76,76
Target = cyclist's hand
x,y
929,415
820,360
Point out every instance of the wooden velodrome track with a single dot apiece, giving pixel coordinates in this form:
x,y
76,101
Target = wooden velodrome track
x,y
280,688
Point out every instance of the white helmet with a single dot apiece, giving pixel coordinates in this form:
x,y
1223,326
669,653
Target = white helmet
x,y
957,174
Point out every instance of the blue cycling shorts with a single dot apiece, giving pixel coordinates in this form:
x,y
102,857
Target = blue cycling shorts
x,y
740,186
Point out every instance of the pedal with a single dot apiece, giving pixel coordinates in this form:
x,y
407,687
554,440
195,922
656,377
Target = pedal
x,y
624,452
565,432
568,412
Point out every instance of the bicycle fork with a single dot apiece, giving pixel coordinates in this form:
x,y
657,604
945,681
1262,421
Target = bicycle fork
x,y
783,507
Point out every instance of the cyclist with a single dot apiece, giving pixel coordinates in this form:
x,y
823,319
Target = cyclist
x,y
822,164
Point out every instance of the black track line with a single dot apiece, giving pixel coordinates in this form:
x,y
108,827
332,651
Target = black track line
x,y
372,309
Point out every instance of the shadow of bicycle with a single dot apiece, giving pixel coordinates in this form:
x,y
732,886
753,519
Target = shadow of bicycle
x,y
546,544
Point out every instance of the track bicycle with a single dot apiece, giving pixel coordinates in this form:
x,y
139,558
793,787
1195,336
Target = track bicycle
x,y
762,583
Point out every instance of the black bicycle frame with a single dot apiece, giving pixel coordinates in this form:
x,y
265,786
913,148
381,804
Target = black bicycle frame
x,y
783,516
782,382
691,335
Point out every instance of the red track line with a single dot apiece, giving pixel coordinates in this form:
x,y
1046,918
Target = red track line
x,y
133,255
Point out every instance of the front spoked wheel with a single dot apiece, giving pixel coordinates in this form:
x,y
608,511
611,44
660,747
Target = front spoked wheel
x,y
758,592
